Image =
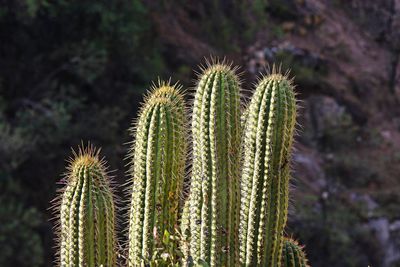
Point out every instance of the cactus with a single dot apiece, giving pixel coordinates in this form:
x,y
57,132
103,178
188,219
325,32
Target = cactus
x,y
231,216
87,213
293,254
265,179
157,172
214,190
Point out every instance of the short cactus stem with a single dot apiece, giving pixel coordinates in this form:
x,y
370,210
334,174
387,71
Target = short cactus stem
x,y
87,213
269,129
157,173
214,190
293,254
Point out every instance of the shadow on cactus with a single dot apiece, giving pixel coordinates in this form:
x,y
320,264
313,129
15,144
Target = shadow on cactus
x,y
232,208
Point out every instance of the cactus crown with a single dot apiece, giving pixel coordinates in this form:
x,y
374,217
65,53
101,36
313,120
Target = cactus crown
x,y
293,254
164,89
86,158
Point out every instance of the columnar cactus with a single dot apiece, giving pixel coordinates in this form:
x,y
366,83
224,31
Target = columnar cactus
x,y
87,213
293,254
214,190
157,172
237,203
265,179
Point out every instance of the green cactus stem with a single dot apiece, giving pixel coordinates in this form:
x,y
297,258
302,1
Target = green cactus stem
x,y
214,190
265,178
87,213
185,234
293,254
157,172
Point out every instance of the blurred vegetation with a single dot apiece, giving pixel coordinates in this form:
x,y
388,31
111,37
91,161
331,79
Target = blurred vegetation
x,y
332,227
19,234
71,71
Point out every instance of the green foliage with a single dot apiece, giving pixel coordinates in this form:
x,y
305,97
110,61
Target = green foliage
x,y
282,9
390,204
219,22
157,162
333,226
265,180
20,242
71,70
339,132
305,67
341,166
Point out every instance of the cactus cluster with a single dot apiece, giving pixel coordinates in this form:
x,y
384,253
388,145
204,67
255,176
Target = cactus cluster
x,y
230,210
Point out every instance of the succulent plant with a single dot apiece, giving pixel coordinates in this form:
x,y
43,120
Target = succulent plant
x,y
87,213
265,179
235,208
157,172
214,189
293,254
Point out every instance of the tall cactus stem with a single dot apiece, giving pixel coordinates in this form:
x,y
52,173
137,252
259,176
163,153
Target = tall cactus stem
x,y
214,193
157,172
268,140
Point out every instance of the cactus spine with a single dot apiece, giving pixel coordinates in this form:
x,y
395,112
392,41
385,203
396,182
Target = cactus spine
x,y
214,190
157,172
293,254
265,179
87,216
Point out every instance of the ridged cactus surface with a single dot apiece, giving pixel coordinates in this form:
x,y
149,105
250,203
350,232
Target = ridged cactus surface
x,y
269,129
157,172
214,190
87,213
185,233
293,254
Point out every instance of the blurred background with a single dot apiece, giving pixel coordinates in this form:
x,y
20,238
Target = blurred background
x,y
76,70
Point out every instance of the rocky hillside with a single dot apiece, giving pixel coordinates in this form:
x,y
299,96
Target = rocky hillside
x,y
344,56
